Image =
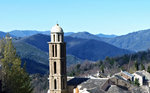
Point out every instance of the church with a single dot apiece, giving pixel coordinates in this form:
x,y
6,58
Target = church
x,y
58,80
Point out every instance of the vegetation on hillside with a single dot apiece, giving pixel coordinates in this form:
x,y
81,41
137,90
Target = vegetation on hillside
x,y
14,77
128,62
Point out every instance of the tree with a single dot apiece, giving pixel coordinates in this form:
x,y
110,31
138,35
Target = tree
x,y
102,68
136,65
142,67
136,82
15,79
2,43
148,69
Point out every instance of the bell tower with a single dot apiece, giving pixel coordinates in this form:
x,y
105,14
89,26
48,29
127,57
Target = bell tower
x,y
57,61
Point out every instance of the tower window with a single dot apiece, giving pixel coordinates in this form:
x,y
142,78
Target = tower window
x,y
54,38
55,50
54,67
58,37
55,84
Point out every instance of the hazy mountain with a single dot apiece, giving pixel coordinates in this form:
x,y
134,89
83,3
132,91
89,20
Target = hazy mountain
x,y
80,48
36,59
106,36
136,41
85,35
68,33
92,49
2,34
25,33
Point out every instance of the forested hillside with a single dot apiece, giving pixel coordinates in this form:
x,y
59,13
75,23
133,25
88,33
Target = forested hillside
x,y
111,65
80,48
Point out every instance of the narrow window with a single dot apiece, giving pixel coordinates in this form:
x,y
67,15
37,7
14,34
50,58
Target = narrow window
x,y
55,50
55,84
54,38
54,67
58,37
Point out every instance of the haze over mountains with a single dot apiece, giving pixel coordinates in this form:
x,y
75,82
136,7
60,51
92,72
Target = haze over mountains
x,y
32,47
82,48
25,33
136,41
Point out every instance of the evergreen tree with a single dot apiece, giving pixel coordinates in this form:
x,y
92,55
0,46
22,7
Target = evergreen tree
x,y
142,67
102,68
14,79
2,43
148,69
136,82
136,65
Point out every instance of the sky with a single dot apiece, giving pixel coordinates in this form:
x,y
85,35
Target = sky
x,y
95,16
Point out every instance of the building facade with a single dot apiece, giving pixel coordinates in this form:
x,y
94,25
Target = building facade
x,y
57,61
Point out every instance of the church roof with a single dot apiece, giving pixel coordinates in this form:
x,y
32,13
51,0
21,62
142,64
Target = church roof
x,y
116,89
76,81
57,29
93,84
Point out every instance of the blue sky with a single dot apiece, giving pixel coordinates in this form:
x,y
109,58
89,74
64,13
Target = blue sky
x,y
95,16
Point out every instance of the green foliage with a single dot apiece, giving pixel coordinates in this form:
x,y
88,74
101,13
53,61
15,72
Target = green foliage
x,y
142,67
14,77
102,68
136,65
148,69
136,82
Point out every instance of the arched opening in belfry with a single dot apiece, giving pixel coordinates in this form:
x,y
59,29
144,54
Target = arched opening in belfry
x,y
55,68
58,37
55,50
54,38
55,84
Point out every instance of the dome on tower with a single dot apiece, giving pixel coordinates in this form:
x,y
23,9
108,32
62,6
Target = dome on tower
x,y
57,28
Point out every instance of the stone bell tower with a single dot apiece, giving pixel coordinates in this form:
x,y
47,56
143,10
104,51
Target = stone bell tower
x,y
57,61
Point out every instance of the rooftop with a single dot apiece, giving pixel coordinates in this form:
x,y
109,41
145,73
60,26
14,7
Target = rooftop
x,y
57,29
127,73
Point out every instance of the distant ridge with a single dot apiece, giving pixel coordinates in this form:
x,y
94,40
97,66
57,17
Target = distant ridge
x,y
85,35
106,36
2,34
80,48
25,33
136,41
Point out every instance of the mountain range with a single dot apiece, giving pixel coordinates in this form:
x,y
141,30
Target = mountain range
x,y
32,47
89,49
106,36
26,33
2,34
34,51
136,41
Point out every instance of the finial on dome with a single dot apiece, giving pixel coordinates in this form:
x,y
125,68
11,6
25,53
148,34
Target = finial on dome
x,y
57,29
